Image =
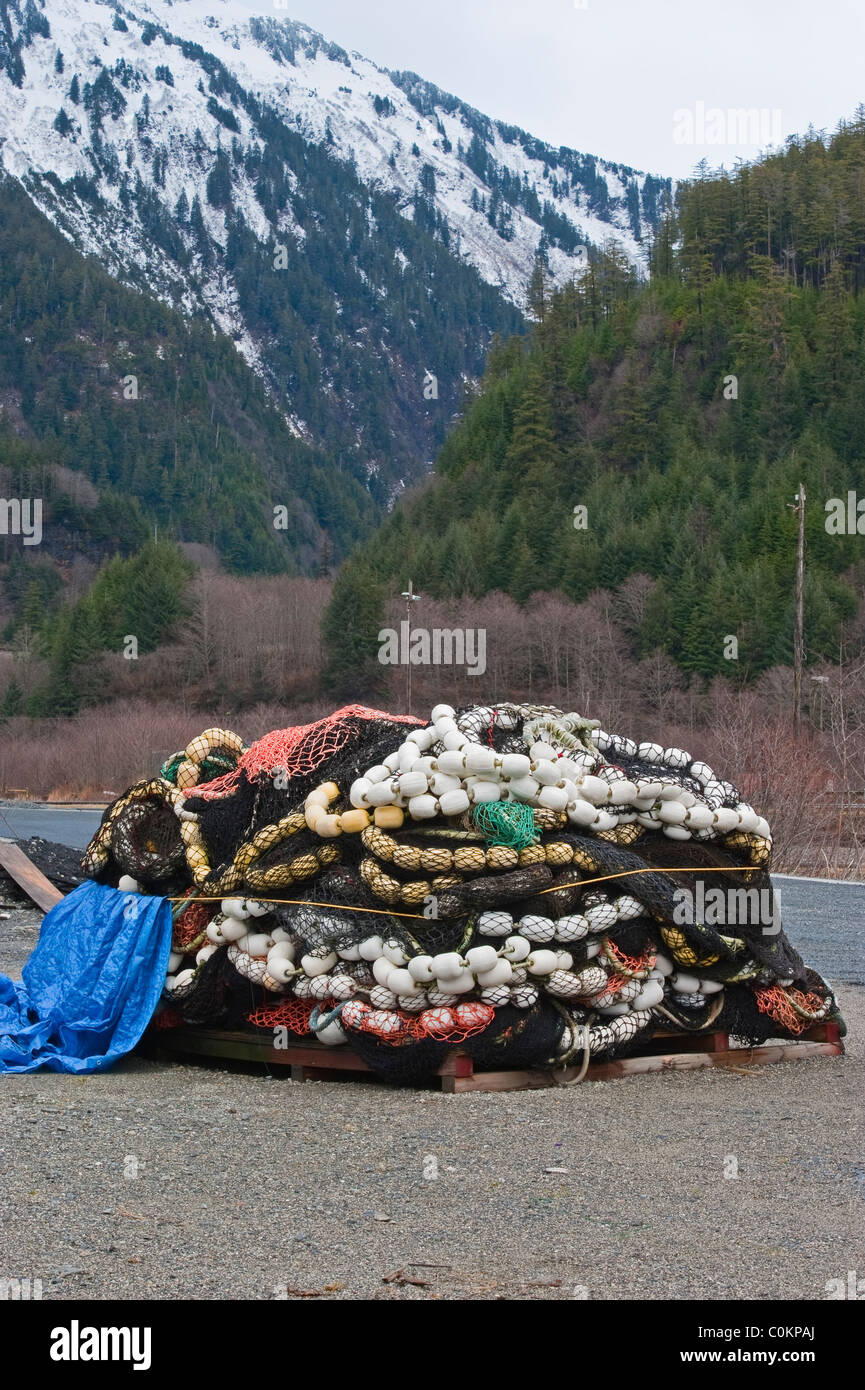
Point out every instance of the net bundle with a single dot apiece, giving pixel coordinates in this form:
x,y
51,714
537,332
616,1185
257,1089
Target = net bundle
x,y
511,880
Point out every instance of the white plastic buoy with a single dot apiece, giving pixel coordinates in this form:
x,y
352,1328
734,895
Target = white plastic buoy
x,y
401,982
318,962
371,949
495,923
332,1034
449,966
535,928
382,969
382,998
571,928
650,995
460,985
421,969
280,969
481,958
501,973
524,996
542,962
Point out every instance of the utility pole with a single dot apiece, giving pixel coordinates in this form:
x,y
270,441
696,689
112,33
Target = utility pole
x,y
798,631
410,597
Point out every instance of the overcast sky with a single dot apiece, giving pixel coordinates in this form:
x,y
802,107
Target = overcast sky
x,y
616,78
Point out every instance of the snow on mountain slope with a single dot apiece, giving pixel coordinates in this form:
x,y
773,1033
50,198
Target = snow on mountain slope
x,y
170,141
331,94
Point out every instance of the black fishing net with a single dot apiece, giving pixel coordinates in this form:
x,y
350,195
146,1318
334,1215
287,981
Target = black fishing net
x,y
628,930
518,1038
145,841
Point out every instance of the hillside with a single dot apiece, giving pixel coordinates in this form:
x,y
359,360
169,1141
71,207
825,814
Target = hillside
x,y
681,415
355,232
121,415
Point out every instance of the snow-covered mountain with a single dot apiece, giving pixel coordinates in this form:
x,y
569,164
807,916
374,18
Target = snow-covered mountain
x,y
198,157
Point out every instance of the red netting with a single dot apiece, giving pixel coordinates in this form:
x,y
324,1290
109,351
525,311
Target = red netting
x,y
191,923
469,1019
636,965
292,1014
632,965
299,749
452,1025
775,1001
167,1017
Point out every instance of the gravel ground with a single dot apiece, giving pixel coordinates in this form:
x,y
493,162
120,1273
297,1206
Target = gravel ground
x,y
168,1181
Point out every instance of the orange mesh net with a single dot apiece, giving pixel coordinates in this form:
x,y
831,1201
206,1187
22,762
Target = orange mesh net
x,y
191,923
631,967
776,1002
293,1014
299,749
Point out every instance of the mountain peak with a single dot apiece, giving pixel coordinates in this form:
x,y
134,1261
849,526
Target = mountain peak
x,y
342,223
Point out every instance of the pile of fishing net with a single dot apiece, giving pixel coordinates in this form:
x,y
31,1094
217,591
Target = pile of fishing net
x,y
512,880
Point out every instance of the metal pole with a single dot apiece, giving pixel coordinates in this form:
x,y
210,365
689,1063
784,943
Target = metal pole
x,y
410,597
798,634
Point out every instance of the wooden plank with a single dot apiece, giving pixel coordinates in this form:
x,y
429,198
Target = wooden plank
x,y
28,877
688,1042
249,1047
824,1032
740,1058
312,1061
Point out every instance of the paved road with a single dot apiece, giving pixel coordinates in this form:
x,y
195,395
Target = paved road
x,y
825,920
64,825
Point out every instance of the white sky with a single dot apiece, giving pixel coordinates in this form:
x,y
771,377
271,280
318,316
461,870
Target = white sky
x,y
607,79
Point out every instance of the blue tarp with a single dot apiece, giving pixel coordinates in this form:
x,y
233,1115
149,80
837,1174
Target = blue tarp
x,y
92,984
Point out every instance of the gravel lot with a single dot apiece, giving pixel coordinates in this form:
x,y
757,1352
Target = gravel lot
x,y
163,1181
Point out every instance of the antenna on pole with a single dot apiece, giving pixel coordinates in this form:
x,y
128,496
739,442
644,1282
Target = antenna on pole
x,y
410,597
798,506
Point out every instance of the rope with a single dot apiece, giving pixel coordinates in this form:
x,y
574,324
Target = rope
x,y
319,1021
419,916
583,1042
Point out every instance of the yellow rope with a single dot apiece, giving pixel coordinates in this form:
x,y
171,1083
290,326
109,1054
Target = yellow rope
x,y
418,916
627,873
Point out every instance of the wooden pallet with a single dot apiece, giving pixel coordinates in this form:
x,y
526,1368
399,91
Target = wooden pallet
x,y
665,1052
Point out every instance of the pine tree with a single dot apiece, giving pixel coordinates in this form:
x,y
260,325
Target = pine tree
x,y
354,618
12,702
536,294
